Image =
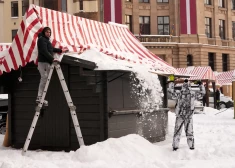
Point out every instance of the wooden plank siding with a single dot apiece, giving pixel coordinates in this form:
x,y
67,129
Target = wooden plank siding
x,y
55,129
90,103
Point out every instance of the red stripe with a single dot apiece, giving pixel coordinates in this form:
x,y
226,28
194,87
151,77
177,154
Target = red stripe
x,y
58,25
19,47
87,25
107,11
22,27
53,24
100,34
29,29
0,72
64,31
183,17
70,33
47,11
111,36
80,30
118,11
29,13
33,43
193,16
13,59
6,66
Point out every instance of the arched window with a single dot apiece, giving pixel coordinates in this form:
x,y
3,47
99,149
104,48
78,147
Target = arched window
x,y
189,60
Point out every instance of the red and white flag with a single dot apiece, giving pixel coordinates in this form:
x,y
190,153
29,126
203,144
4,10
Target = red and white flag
x,y
188,17
113,11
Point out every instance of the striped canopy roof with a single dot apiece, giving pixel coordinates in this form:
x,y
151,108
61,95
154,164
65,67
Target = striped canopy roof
x,y
226,78
4,46
198,73
77,34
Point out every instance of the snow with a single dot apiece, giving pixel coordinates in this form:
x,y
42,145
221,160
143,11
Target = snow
x,y
3,96
145,84
214,148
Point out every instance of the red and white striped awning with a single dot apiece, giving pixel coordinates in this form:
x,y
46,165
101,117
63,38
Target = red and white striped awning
x,y
3,47
226,78
77,34
198,73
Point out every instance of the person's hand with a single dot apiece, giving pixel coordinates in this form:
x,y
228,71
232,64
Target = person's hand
x,y
56,60
64,50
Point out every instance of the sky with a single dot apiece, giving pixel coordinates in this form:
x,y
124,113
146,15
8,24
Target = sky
x,y
214,148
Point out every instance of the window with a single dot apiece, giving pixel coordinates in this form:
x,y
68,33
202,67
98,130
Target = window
x,y
128,21
13,33
64,5
222,29
163,1
221,3
225,62
163,25
207,2
144,1
81,5
25,6
189,60
233,4
211,60
208,27
233,29
144,24
14,9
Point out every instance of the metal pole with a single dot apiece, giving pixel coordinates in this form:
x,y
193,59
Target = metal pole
x,y
233,94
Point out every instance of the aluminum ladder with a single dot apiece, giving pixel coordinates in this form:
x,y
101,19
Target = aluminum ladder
x,y
72,108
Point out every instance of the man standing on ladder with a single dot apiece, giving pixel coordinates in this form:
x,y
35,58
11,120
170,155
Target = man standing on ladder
x,y
46,71
184,111
45,59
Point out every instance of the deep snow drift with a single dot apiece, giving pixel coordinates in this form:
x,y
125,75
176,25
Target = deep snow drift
x,y
214,148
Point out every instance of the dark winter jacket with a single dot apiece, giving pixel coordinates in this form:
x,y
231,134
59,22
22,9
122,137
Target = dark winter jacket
x,y
45,49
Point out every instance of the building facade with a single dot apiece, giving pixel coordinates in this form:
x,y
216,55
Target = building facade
x,y
12,12
185,33
182,32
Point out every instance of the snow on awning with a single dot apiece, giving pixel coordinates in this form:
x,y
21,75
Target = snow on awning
x,y
78,35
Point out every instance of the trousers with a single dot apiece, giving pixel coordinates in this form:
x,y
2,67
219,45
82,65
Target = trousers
x,y
188,127
44,69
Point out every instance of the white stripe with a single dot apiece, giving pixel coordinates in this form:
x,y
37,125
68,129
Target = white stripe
x,y
112,6
188,16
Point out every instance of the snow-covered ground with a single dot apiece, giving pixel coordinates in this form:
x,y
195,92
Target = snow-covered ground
x,y
214,148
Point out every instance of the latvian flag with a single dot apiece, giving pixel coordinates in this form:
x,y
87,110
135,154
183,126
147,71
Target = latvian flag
x,y
113,11
188,17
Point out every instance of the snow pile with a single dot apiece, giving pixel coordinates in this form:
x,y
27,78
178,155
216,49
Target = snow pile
x,y
145,85
214,148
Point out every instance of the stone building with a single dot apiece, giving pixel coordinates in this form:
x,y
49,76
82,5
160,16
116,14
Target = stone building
x,y
182,32
163,23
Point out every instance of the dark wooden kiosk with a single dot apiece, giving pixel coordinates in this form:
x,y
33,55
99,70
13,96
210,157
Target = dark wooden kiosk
x,y
104,107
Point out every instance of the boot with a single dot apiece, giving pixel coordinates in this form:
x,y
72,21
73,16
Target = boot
x,y
175,149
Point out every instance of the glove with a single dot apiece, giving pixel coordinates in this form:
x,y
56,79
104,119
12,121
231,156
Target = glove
x,y
171,78
56,60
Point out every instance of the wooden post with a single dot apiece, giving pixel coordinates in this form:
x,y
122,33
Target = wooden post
x,y
207,93
5,141
233,94
215,102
